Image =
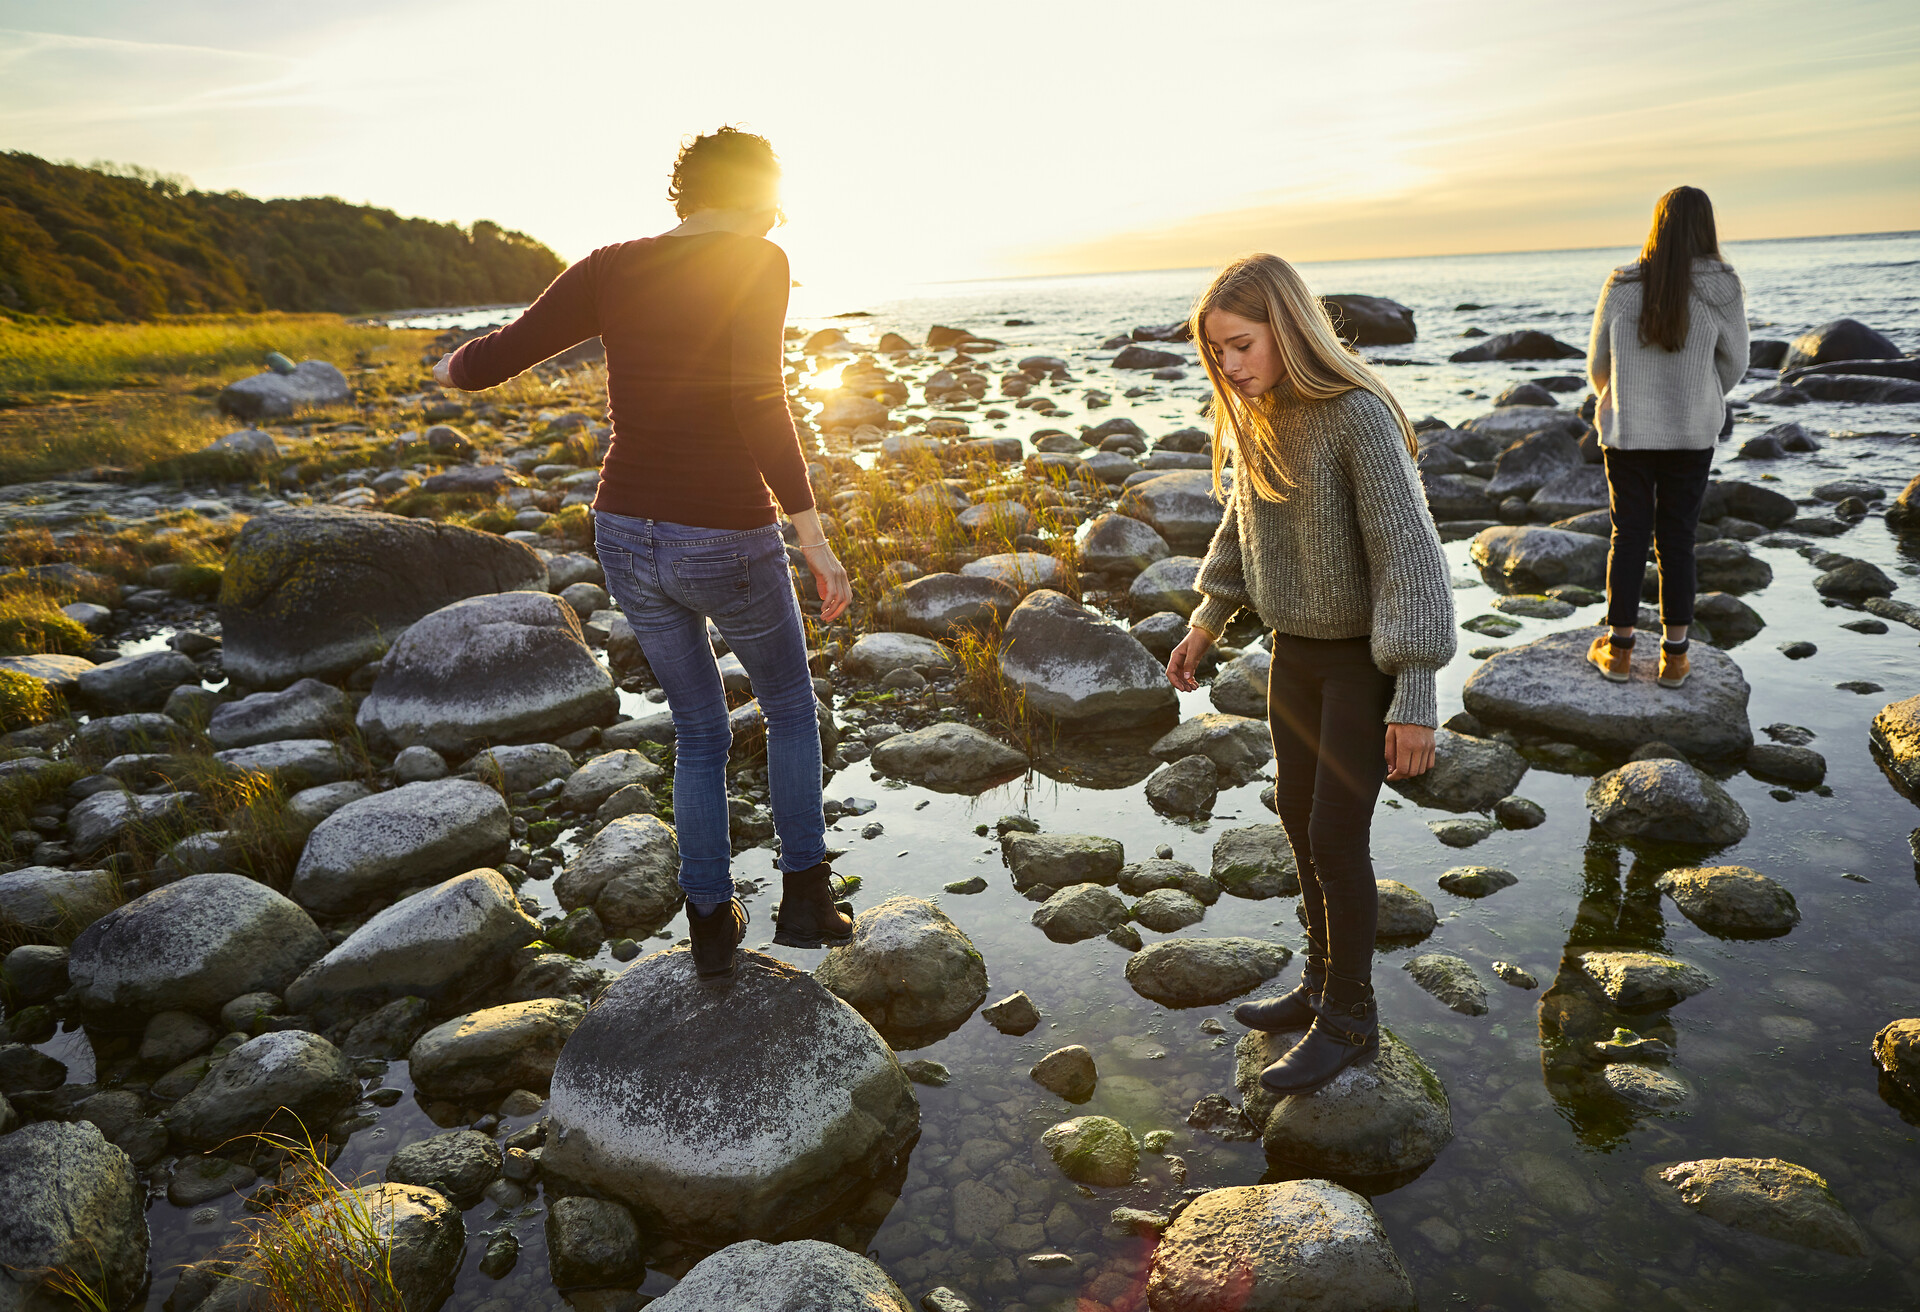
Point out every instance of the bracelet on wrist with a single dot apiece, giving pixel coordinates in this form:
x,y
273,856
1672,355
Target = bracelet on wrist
x,y
808,546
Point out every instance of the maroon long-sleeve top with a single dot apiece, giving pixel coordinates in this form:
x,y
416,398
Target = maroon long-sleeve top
x,y
692,328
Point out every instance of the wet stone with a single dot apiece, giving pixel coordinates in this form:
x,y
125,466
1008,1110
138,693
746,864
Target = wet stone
x,y
1518,976
1477,881
1255,862
1764,1199
1643,1086
1068,1072
1081,912
1633,980
1452,980
1517,812
1382,1118
1013,1014
1734,901
1061,860
1198,972
1463,832
1095,1150
196,1180
1167,910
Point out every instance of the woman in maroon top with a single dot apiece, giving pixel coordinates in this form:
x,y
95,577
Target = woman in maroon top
x,y
684,519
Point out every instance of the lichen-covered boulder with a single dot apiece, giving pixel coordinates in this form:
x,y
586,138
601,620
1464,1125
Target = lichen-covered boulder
x,y
493,1050
368,850
283,1082
1468,774
1058,860
1180,507
193,945
1199,972
1734,901
39,904
629,873
752,1276
1095,1150
71,1200
949,757
1378,1119
320,592
1665,800
1292,1247
1896,734
1770,1207
1255,862
307,708
643,1101
909,970
440,943
504,668
1640,980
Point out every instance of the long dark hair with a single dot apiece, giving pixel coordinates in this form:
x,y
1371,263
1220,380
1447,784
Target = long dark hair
x,y
1682,230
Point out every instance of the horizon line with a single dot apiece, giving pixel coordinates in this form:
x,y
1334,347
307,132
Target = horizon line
x,y
1425,255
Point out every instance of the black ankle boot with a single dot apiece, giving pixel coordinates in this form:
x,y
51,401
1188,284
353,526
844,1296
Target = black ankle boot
x,y
1346,1030
716,936
807,915
1289,1011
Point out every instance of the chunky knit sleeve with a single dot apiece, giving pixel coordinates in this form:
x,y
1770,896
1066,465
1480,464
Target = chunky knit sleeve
x,y
1412,634
1730,349
1600,343
1222,581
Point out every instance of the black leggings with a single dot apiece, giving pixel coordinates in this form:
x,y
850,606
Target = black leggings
x,y
1655,500
1327,704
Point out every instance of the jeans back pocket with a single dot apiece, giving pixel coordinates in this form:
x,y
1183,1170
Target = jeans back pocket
x,y
714,585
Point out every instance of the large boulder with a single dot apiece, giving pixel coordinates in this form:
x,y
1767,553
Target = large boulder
x,y
1770,1208
1665,800
1297,1246
1238,745
634,1088
752,1276
295,764
1378,1119
1895,733
275,395
45,903
1468,774
493,1050
1639,981
1533,558
1075,667
1547,687
1903,516
192,945
1166,585
280,1082
1024,571
1080,911
1200,972
72,1201
515,666
1526,344
522,767
1749,501
103,818
909,970
933,605
605,775
1060,860
1120,544
1370,320
1532,462
370,849
1457,496
1574,491
629,873
462,1162
306,709
949,757
440,943
135,683
1256,862
1838,339
322,591
1732,901
1180,507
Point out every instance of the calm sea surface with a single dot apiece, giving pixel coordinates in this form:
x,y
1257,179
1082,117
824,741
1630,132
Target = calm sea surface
x,y
1539,1200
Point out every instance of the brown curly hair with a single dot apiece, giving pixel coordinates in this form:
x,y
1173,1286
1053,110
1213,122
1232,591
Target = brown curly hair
x,y
727,169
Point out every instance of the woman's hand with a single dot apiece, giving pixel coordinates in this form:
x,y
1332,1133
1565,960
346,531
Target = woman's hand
x,y
829,580
443,370
1409,750
1186,659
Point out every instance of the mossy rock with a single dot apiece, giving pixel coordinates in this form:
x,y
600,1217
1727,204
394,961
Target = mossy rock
x,y
1095,1150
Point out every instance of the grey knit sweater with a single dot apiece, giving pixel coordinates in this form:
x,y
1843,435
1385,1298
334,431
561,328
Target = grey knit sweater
x,y
1352,551
1653,399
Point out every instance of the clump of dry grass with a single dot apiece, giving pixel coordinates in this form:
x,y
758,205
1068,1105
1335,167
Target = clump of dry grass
x,y
317,1242
31,623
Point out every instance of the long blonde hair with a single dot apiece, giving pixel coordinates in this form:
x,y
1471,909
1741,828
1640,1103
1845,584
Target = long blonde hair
x,y
1315,366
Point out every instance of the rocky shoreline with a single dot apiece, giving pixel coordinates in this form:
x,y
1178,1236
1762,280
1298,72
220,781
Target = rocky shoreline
x,y
390,811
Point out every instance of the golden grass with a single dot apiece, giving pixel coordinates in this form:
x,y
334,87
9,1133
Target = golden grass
x,y
122,555
141,396
317,1243
25,701
31,623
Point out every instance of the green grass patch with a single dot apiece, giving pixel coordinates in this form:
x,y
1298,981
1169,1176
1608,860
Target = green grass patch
x,y
25,701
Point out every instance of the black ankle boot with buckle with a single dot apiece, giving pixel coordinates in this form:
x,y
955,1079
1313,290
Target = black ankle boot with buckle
x,y
1294,1010
1345,1031
808,916
716,936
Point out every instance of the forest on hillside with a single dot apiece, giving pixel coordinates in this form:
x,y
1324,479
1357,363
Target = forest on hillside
x,y
117,243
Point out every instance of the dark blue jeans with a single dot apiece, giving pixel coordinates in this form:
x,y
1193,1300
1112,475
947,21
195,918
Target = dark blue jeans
x,y
669,579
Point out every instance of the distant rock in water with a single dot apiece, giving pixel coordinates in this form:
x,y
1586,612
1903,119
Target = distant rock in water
x,y
274,395
320,592
1527,344
1370,320
1838,339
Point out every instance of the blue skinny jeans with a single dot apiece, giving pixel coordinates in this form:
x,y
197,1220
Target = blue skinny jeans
x,y
668,579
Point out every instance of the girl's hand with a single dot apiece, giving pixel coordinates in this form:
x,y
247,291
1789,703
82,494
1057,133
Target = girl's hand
x,y
1409,750
829,580
443,370
1186,659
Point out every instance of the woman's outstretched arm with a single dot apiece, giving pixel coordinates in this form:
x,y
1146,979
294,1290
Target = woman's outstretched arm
x,y
566,314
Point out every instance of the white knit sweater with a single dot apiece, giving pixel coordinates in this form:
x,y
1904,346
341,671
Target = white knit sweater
x,y
1653,399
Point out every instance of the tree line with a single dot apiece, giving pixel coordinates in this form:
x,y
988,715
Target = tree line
x,y
120,243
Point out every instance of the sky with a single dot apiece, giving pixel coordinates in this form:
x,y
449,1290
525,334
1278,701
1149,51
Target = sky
x,y
932,141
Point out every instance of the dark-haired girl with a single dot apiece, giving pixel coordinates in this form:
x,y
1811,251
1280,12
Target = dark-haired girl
x,y
1669,342
684,519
